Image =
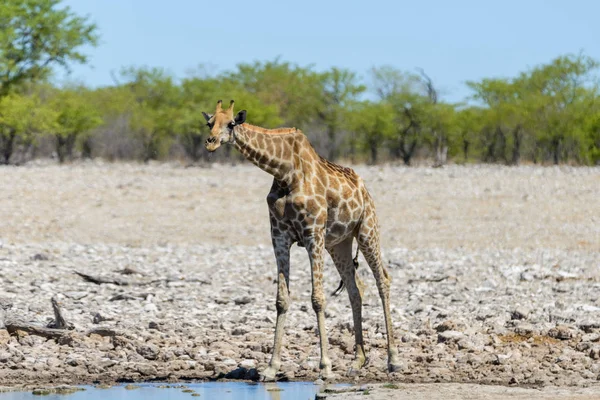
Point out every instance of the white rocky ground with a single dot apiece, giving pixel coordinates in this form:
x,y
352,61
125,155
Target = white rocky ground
x,y
496,275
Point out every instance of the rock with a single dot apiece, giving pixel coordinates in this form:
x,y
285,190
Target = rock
x,y
239,331
150,307
53,362
525,329
229,362
248,364
74,362
243,300
98,318
450,336
446,326
146,369
40,257
561,332
589,326
409,337
5,357
76,295
519,313
148,351
5,303
238,373
4,336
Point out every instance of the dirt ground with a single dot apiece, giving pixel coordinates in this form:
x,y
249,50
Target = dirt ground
x,y
496,278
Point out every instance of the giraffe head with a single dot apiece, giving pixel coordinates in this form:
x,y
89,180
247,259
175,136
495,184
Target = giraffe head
x,y
221,125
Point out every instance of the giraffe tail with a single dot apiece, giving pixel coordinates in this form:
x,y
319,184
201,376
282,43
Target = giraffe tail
x,y
341,286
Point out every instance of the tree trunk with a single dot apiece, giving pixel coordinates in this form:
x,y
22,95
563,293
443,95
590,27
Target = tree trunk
x,y
86,148
191,144
374,152
60,144
518,138
64,147
466,145
441,155
8,146
196,143
441,151
556,150
502,144
333,150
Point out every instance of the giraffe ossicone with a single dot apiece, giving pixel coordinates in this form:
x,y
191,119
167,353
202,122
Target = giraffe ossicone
x,y
321,206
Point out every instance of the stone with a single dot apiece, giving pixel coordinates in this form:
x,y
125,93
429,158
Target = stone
x,y
148,351
450,336
146,369
560,332
243,300
248,364
519,313
5,357
150,307
446,326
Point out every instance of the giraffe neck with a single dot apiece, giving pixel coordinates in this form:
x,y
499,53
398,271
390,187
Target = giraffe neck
x,y
269,149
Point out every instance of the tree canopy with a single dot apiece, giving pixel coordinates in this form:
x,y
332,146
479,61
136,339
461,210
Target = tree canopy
x,y
546,114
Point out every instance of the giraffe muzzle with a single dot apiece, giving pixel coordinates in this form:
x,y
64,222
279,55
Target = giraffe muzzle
x,y
212,143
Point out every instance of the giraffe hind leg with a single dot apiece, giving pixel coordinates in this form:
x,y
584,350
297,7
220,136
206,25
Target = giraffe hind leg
x,y
342,285
342,258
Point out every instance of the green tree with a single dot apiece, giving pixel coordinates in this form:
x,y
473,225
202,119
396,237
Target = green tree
x,y
76,117
469,124
294,90
502,136
22,118
442,125
562,94
36,35
373,124
340,87
413,99
154,113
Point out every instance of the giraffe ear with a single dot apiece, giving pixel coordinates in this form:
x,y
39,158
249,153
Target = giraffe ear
x,y
206,116
240,118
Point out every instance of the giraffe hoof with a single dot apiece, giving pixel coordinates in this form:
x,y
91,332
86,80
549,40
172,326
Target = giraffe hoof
x,y
268,375
357,365
326,374
395,367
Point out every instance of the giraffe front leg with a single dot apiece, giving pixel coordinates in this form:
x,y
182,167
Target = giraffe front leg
x,y
282,253
315,247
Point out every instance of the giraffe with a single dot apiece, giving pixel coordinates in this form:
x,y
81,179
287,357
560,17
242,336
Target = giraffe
x,y
320,206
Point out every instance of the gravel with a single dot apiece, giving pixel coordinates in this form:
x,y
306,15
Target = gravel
x,y
496,276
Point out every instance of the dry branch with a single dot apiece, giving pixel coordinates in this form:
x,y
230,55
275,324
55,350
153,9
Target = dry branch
x,y
13,326
59,320
98,280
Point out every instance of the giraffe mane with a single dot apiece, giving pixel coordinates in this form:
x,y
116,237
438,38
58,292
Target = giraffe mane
x,y
276,131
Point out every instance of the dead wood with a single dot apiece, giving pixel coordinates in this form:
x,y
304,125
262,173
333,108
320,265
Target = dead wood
x,y
59,320
98,280
14,326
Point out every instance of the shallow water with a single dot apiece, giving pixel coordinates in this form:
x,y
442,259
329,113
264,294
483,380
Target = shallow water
x,y
206,390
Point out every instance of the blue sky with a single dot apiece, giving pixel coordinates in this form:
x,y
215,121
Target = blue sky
x,y
453,41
